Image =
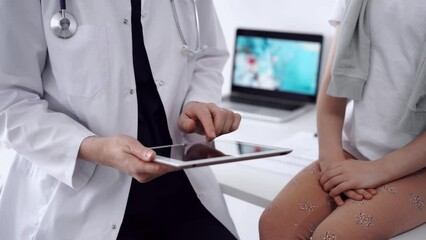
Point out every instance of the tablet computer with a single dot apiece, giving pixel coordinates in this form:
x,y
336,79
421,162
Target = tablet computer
x,y
197,154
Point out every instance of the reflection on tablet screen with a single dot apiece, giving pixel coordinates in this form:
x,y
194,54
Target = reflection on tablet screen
x,y
197,151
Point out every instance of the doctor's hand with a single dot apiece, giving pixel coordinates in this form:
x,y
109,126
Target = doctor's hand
x,y
125,154
208,119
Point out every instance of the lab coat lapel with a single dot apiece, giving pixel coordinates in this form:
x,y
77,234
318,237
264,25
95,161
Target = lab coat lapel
x,y
142,5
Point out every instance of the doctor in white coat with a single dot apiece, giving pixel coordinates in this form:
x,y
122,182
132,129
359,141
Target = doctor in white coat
x,y
69,108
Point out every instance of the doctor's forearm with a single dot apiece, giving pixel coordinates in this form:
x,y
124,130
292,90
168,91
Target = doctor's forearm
x,y
90,149
114,151
100,150
125,154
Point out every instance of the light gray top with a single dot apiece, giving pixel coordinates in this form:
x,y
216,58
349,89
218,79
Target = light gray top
x,y
352,63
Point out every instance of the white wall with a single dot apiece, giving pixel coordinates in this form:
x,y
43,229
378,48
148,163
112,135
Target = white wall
x,y
305,16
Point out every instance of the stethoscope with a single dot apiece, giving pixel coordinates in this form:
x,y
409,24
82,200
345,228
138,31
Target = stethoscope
x,y
64,25
185,46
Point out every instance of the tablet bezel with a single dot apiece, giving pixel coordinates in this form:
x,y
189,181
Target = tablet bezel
x,y
274,151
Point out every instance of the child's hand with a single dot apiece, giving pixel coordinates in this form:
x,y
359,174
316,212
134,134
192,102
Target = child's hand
x,y
351,175
356,195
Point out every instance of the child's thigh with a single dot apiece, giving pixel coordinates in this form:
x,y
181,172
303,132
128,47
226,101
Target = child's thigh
x,y
399,206
298,208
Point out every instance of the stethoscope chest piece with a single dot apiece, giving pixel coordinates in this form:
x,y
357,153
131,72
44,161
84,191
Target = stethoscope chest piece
x,y
63,25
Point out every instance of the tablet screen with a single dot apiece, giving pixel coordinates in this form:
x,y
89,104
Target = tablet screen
x,y
218,151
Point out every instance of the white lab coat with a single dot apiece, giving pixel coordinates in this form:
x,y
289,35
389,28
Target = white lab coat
x,y
56,92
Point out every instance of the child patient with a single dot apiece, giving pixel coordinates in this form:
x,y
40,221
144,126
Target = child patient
x,y
369,181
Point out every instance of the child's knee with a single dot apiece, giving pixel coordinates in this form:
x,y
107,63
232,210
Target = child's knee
x,y
271,228
292,227
267,224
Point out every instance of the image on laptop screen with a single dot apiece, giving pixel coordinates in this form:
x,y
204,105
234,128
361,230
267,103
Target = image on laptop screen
x,y
277,64
280,65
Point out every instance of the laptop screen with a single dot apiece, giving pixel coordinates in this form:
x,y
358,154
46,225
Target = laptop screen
x,y
277,65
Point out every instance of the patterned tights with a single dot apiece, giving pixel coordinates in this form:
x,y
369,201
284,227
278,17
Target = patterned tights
x,y
302,210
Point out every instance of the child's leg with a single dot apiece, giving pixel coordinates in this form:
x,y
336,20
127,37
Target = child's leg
x,y
399,206
298,208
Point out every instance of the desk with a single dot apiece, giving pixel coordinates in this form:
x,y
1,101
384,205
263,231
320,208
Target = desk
x,y
260,187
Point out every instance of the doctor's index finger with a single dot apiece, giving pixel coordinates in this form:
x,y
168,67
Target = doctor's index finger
x,y
205,117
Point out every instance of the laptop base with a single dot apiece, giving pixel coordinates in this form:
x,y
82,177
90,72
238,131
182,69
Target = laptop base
x,y
265,113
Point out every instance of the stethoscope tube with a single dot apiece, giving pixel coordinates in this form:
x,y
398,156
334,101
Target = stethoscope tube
x,y
64,25
185,47
63,4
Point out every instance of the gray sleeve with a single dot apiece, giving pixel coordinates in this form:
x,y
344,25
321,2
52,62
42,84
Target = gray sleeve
x,y
352,57
339,12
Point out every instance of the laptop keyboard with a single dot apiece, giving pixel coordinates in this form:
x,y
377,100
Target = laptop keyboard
x,y
278,105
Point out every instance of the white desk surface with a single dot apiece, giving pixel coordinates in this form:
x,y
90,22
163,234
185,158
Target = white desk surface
x,y
253,185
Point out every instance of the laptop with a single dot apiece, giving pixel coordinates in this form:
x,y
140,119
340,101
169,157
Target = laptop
x,y
275,75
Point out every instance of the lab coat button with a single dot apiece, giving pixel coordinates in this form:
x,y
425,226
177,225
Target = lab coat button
x,y
125,21
114,227
161,83
143,14
132,91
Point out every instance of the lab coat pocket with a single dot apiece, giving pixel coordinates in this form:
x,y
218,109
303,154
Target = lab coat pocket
x,y
80,63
